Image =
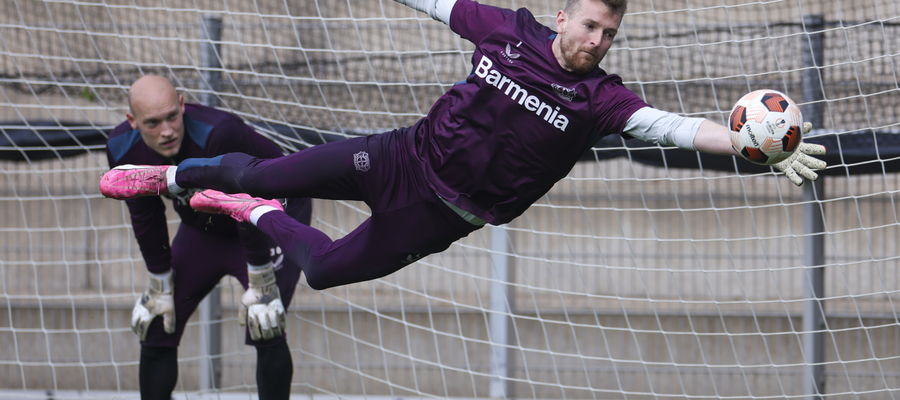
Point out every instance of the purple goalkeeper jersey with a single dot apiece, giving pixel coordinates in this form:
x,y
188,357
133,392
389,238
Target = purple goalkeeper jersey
x,y
208,133
496,143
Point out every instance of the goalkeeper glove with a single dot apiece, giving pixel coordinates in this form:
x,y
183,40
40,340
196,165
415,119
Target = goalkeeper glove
x,y
262,310
801,163
157,300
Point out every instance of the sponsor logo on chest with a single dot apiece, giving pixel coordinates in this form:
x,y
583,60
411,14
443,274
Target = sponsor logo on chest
x,y
519,94
509,54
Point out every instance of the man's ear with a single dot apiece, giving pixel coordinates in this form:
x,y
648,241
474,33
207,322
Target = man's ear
x,y
561,18
131,120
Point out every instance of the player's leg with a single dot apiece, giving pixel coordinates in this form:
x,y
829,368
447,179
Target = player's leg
x,y
324,171
384,243
408,220
197,260
274,365
274,371
157,372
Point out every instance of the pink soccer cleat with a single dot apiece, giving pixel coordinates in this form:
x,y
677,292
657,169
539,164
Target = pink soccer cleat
x,y
237,206
130,181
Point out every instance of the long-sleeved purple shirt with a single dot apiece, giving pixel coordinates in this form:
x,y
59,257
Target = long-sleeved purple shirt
x,y
208,133
497,142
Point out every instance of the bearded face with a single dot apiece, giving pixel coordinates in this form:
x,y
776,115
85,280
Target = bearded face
x,y
585,34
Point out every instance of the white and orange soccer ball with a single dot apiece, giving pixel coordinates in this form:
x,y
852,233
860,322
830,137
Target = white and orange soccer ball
x,y
765,126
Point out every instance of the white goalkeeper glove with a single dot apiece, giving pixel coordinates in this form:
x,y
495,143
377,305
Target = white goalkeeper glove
x,y
157,300
801,163
262,310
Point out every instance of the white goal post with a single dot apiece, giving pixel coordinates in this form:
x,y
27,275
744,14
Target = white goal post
x,y
645,273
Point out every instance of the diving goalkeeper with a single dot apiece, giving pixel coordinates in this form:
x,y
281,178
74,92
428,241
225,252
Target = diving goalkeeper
x,y
534,102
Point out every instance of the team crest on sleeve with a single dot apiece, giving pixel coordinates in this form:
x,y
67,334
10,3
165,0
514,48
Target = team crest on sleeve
x,y
361,161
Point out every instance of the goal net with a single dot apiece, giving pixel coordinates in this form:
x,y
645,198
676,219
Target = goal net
x,y
647,272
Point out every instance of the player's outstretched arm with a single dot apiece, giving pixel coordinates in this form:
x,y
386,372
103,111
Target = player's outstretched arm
x,y
437,9
714,138
670,129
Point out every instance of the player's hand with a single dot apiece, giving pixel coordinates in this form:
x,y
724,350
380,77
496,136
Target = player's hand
x,y
262,310
157,300
801,163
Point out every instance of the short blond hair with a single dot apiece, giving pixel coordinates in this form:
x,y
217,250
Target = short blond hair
x,y
616,6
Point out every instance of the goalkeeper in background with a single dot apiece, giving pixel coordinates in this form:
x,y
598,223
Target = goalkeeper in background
x,y
534,102
162,130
